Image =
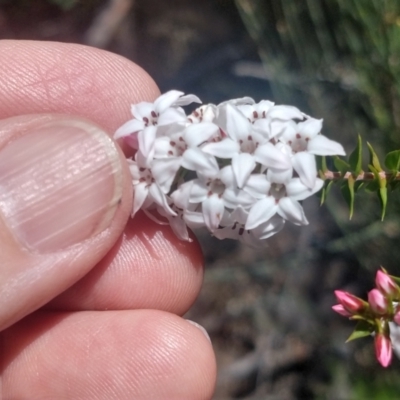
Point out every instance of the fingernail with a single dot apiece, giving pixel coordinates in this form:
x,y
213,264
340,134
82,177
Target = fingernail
x,y
201,329
60,184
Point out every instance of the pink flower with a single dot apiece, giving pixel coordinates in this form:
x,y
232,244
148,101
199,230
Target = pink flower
x,y
351,303
383,349
396,318
378,302
341,310
386,284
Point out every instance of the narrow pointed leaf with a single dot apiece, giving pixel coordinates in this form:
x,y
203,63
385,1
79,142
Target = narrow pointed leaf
x,y
341,165
374,158
348,194
325,192
362,329
392,160
355,158
383,198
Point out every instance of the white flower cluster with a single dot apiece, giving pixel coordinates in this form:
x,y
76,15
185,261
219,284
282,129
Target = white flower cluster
x,y
239,168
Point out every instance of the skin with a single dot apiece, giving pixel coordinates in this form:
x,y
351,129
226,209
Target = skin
x,y
105,322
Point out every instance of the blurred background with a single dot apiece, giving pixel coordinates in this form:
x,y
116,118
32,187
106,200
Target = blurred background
x,y
268,311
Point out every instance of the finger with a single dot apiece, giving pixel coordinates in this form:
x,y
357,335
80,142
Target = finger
x,y
65,197
147,268
144,354
46,77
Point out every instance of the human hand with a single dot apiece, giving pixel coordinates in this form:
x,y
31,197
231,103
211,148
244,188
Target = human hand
x,y
90,302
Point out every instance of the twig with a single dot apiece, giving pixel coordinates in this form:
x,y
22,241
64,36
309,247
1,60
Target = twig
x,y
107,22
362,176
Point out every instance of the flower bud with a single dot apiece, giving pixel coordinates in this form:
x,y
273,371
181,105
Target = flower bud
x,y
351,303
383,349
378,302
341,310
386,284
396,318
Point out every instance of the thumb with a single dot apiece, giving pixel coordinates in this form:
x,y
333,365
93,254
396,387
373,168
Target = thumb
x,y
65,196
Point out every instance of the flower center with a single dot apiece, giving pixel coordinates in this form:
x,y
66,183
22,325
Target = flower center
x,y
177,147
216,186
152,119
277,191
146,176
248,145
299,143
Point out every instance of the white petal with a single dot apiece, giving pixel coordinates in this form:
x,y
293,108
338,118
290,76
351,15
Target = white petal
x,y
310,127
139,196
233,122
146,139
197,134
279,176
269,228
292,211
240,215
159,198
304,164
198,191
322,146
226,148
181,196
161,147
262,126
171,116
261,212
196,160
236,197
187,99
164,172
285,113
194,219
271,156
296,190
142,110
213,209
243,165
128,128
238,102
179,227
257,186
166,100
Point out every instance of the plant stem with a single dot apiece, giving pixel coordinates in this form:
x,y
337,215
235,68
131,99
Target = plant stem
x,y
362,176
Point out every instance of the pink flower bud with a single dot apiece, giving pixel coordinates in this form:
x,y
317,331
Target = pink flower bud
x,y
396,318
383,349
341,310
378,302
351,303
386,284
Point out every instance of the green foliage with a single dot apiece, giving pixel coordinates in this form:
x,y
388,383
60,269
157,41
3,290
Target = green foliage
x,y
355,159
362,329
351,177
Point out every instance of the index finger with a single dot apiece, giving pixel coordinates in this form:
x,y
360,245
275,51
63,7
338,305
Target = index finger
x,y
45,77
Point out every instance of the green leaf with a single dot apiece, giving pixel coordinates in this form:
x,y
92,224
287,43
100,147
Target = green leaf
x,y
374,158
383,198
355,158
348,194
381,188
362,329
341,165
392,160
324,167
325,191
